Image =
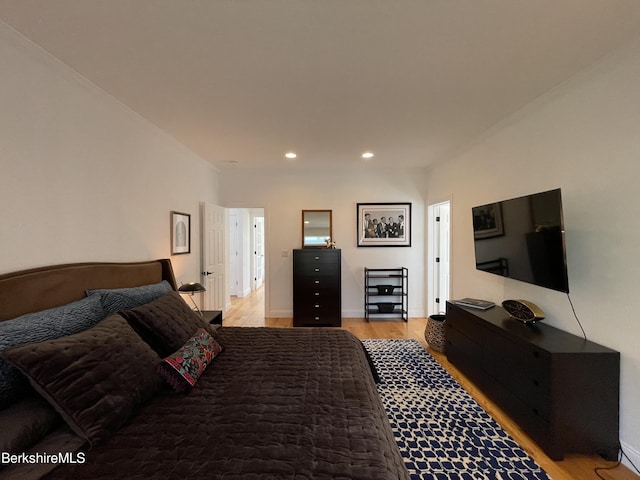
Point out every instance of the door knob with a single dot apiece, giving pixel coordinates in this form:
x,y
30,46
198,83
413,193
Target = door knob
x,y
206,274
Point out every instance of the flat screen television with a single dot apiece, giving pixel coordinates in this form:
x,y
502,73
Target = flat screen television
x,y
523,238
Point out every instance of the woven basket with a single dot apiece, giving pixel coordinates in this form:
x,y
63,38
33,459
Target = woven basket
x,y
434,332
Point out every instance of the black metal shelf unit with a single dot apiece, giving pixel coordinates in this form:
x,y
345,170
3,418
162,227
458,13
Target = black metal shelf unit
x,y
386,292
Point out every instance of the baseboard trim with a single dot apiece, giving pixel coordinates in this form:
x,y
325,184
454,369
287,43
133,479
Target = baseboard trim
x,y
360,314
633,454
345,314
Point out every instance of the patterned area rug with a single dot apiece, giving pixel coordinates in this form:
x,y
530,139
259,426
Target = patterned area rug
x,y
442,432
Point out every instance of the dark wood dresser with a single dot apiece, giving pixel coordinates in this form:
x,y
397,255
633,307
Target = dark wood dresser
x,y
562,390
317,298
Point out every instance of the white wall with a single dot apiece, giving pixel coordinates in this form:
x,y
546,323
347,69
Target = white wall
x,y
286,192
582,137
82,177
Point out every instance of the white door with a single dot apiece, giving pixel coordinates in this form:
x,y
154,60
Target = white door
x,y
439,257
258,252
235,258
213,256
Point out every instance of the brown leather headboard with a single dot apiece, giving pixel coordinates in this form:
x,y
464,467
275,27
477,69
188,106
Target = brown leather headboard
x,y
46,287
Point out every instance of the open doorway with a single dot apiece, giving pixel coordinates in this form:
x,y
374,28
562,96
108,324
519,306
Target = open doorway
x,y
246,251
438,265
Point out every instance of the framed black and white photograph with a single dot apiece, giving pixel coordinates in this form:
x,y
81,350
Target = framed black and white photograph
x,y
384,225
180,233
487,221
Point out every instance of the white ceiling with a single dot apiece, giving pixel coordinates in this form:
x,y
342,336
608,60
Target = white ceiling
x,y
241,82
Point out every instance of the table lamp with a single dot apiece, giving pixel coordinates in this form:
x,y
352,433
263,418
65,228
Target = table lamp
x,y
192,288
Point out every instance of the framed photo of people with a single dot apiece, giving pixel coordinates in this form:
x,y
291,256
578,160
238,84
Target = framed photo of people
x,y
384,224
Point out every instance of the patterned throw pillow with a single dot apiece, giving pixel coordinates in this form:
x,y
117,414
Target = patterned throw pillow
x,y
183,368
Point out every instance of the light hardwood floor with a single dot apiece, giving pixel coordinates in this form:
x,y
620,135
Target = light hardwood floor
x,y
249,312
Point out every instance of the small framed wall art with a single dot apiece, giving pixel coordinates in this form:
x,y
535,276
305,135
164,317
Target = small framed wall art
x,y
384,224
487,221
180,233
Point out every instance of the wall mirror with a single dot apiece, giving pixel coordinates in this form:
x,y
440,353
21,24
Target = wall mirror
x,y
316,228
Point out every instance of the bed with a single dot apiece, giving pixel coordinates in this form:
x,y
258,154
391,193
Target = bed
x,y
148,390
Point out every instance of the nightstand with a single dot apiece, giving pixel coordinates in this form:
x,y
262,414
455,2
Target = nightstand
x,y
213,317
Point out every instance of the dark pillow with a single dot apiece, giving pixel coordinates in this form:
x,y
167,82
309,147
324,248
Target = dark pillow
x,y
116,299
166,323
25,422
183,368
39,326
95,379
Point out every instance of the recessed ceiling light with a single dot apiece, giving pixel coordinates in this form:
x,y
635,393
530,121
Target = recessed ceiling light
x,y
290,155
367,155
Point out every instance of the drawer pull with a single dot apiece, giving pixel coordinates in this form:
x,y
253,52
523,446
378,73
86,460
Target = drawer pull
x,y
536,354
316,258
317,294
316,318
536,383
535,411
317,306
317,281
317,269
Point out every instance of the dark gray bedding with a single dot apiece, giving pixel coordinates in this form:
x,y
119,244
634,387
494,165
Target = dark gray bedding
x,y
275,404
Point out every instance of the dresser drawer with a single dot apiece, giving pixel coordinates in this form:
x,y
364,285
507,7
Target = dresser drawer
x,y
318,270
316,283
460,320
527,373
311,257
316,293
317,308
528,417
316,314
526,355
464,353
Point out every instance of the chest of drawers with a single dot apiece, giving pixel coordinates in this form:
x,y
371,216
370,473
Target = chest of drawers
x,y
317,299
562,390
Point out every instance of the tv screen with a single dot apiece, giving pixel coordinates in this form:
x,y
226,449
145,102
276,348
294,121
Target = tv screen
x,y
523,239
